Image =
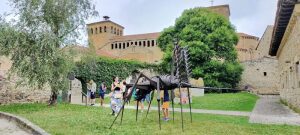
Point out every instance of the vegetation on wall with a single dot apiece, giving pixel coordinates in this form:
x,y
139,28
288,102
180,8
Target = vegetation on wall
x,y
101,69
211,40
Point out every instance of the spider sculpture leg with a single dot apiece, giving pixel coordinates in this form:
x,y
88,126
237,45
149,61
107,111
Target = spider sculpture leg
x,y
124,101
137,109
172,99
181,108
189,96
158,102
152,95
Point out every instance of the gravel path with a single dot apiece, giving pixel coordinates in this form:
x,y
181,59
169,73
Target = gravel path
x,y
269,110
220,112
10,128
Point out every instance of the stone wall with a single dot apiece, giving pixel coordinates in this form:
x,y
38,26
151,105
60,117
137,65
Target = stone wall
x,y
10,93
260,76
289,58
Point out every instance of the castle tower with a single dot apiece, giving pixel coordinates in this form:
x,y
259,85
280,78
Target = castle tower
x,y
100,33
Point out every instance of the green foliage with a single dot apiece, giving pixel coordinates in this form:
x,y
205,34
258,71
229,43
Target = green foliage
x,y
102,69
34,40
211,40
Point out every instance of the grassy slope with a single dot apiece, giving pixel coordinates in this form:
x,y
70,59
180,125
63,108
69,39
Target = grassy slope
x,y
230,101
75,119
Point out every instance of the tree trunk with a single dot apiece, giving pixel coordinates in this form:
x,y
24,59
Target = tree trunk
x,y
53,99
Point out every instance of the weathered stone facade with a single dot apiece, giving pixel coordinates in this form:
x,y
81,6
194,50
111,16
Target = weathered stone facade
x,y
260,76
11,93
287,52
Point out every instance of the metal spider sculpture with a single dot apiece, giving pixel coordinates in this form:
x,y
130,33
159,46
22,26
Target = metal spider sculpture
x,y
180,67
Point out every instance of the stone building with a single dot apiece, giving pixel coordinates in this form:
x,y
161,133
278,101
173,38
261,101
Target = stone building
x,y
285,45
108,39
246,47
260,69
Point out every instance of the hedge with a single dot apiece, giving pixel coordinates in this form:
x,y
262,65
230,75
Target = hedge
x,y
101,69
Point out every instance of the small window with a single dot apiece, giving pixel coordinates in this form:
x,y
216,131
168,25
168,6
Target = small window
x,y
118,32
135,43
140,43
120,46
100,29
104,28
123,45
131,43
144,43
148,43
112,46
96,30
111,29
265,73
121,32
92,32
116,45
115,31
152,43
127,44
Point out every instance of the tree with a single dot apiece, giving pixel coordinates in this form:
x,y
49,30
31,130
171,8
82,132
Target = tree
x,y
35,40
211,40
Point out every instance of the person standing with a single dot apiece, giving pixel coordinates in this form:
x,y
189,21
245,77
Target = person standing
x,y
165,105
102,90
88,91
93,92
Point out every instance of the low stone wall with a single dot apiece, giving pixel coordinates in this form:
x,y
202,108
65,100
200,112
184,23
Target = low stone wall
x,y
24,124
11,93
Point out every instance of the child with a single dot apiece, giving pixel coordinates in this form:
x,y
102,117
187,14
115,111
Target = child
x,y
102,91
165,106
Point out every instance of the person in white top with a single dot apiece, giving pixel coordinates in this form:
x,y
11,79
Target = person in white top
x,y
93,91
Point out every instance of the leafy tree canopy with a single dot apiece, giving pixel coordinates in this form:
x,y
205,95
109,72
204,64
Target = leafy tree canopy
x,y
211,39
34,40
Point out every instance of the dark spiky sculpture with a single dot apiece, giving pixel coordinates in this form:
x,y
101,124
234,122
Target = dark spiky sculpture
x,y
179,78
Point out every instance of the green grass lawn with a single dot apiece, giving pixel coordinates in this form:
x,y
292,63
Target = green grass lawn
x,y
228,101
66,119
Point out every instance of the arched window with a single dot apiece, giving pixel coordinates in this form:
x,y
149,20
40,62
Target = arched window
x,y
148,43
144,43
120,45
123,45
92,32
112,46
104,28
127,44
135,43
100,29
115,31
152,43
111,29
140,43
116,45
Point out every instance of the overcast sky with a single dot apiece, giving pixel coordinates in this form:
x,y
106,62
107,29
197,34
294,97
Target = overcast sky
x,y
146,16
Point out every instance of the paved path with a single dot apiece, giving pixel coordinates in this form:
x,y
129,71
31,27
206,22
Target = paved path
x,y
221,112
269,110
10,128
